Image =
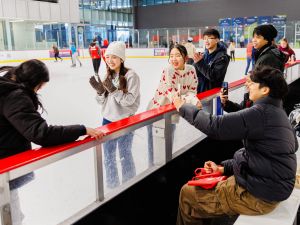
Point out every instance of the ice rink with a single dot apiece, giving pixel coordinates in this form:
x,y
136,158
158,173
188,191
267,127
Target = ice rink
x,y
63,188
69,98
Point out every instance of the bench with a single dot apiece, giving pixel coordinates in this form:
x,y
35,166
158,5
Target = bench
x,y
284,214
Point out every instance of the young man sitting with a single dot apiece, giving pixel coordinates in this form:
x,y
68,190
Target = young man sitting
x,y
261,174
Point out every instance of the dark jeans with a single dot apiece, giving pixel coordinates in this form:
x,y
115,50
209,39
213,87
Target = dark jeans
x,y
56,55
150,143
128,168
249,60
14,185
96,65
232,56
21,181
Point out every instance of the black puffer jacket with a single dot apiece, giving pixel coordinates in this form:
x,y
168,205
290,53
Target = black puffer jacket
x,y
212,68
234,107
20,123
271,56
266,166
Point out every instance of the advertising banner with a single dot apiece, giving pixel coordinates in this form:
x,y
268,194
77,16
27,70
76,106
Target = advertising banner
x,y
160,52
225,22
240,21
62,53
279,19
264,19
250,20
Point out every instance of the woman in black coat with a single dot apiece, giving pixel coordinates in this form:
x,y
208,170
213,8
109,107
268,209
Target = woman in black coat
x,y
20,121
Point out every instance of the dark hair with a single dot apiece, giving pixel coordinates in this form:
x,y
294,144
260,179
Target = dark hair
x,y
29,75
268,31
93,44
285,40
272,78
122,73
180,48
212,32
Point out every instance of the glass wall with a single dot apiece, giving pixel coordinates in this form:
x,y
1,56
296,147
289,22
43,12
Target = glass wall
x,y
3,39
106,19
159,38
116,23
29,35
160,2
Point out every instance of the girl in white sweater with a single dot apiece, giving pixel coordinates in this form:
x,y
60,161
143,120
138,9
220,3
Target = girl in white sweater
x,y
119,95
178,78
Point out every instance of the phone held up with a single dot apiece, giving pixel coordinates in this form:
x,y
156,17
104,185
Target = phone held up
x,y
225,88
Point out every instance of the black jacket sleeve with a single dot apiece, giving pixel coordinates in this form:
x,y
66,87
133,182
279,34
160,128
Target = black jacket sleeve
x,y
228,167
19,110
215,73
232,106
247,123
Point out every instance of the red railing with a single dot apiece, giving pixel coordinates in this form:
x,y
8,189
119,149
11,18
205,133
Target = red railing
x,y
30,156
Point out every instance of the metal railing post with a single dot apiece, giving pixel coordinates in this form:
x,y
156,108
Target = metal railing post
x,y
99,173
5,209
168,137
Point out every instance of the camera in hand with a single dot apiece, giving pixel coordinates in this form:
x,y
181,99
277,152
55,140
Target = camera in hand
x,y
225,88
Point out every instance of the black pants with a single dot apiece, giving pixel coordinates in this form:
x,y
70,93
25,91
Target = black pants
x,y
56,55
96,64
232,56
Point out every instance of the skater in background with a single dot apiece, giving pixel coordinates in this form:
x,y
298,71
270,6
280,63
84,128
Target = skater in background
x,y
191,50
56,53
74,55
103,48
287,50
95,54
250,56
232,51
119,96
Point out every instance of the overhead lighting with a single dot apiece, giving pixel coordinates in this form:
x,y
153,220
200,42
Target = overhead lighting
x,y
16,21
50,23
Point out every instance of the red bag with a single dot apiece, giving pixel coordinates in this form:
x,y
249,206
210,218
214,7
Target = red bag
x,y
206,180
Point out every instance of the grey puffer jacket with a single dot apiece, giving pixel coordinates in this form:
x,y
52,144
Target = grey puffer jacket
x,y
266,166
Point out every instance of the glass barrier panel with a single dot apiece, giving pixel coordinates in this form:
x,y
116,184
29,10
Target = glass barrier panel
x,y
183,35
185,134
143,37
237,95
163,38
56,192
124,158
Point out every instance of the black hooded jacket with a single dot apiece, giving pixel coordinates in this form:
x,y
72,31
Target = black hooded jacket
x,y
21,123
266,166
271,56
212,68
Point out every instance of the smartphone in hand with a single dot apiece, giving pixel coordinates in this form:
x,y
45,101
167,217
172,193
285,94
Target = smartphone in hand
x,y
225,88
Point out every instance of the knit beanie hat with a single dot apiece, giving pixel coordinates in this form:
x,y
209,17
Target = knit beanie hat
x,y
268,31
116,48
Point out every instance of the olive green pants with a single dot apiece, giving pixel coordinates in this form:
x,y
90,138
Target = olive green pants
x,y
228,198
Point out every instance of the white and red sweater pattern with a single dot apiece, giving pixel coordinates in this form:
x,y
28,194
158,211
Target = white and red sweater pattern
x,y
169,83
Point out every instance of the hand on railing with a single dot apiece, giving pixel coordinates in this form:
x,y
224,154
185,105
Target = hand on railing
x,y
97,134
178,102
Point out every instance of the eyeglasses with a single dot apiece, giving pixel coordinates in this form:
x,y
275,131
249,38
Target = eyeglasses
x,y
208,39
